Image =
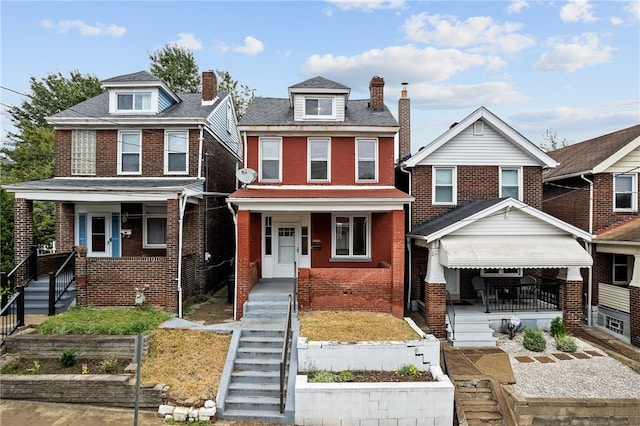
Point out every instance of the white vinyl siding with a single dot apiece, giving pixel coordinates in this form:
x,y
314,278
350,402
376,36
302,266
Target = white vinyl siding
x,y
467,149
130,152
299,108
176,152
83,152
511,223
614,297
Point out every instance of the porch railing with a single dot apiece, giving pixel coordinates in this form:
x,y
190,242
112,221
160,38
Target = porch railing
x,y
25,271
451,316
521,297
285,357
12,314
60,281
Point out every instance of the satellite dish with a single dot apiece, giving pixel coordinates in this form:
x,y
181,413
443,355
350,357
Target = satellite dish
x,y
246,175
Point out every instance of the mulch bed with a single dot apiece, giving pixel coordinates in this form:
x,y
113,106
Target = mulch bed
x,y
53,366
389,376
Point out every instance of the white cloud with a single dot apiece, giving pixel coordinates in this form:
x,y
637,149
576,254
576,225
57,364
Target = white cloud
x,y
516,6
480,33
633,7
252,46
424,95
365,5
85,29
582,51
577,11
188,41
614,20
414,64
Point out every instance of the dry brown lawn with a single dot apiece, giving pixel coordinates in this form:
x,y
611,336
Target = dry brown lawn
x,y
354,326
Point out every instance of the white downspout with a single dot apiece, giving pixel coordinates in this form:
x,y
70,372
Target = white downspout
x,y
183,201
408,242
200,158
590,251
244,149
235,264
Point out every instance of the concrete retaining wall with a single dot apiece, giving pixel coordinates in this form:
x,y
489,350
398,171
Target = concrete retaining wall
x,y
415,403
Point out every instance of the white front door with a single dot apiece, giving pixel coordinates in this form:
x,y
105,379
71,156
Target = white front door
x,y
285,250
98,234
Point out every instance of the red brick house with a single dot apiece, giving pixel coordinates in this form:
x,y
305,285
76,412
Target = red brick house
x,y
595,187
141,177
320,205
477,217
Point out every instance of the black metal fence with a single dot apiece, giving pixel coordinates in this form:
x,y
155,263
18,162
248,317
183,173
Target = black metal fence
x,y
523,297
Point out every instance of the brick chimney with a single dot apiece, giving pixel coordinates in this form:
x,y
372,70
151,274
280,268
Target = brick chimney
x,y
404,118
209,86
376,89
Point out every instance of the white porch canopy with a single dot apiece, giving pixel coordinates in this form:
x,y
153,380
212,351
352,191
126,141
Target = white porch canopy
x,y
512,251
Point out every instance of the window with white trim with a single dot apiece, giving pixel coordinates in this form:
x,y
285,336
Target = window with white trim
x,y
270,159
366,160
155,226
625,194
501,272
478,128
83,152
130,152
318,168
444,185
511,183
133,101
621,269
319,107
351,235
176,152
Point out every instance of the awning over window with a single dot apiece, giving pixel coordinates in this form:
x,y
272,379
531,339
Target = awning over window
x,y
514,251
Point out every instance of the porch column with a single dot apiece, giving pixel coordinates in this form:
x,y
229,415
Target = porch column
x,y
435,295
634,302
571,298
22,228
82,289
397,264
243,277
173,229
65,226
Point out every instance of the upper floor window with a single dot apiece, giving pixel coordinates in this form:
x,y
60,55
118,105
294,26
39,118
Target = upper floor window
x,y
134,101
351,236
130,152
625,195
155,226
83,152
366,160
176,149
319,107
319,165
511,183
622,267
444,185
270,159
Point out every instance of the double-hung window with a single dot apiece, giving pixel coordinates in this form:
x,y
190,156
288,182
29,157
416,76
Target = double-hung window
x,y
444,185
176,150
625,195
270,159
134,101
511,183
83,152
366,160
319,107
155,226
319,165
130,152
622,267
351,236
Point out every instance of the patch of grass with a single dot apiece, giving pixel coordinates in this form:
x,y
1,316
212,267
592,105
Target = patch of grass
x,y
354,326
189,361
111,321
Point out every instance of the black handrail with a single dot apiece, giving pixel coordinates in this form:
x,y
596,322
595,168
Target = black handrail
x,y
25,271
60,281
283,359
452,322
12,314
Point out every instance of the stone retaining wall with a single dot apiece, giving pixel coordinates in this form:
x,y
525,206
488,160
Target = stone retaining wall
x,y
38,346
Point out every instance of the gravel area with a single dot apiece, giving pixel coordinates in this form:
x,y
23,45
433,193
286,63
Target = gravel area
x,y
594,377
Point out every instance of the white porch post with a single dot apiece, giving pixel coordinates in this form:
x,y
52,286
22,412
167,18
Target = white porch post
x,y
435,271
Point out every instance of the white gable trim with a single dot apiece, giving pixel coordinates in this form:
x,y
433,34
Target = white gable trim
x,y
617,156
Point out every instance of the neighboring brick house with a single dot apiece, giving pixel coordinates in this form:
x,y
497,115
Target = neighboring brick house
x,y
323,206
141,177
595,187
477,213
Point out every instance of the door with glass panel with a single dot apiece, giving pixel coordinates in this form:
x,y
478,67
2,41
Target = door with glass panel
x,y
285,253
98,234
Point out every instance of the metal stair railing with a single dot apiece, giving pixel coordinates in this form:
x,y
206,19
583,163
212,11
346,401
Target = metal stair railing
x,y
451,316
60,281
284,358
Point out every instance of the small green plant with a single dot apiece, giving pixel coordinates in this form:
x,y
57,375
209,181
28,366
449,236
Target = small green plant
x,y
85,369
35,368
566,343
344,376
534,340
408,370
68,358
109,365
13,367
558,328
321,376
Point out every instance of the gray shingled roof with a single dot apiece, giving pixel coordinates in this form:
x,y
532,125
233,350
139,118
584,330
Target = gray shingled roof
x,y
319,83
277,111
145,76
585,156
450,217
101,184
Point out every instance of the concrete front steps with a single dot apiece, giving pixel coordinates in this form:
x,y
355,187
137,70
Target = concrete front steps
x,y
480,402
471,330
253,391
36,297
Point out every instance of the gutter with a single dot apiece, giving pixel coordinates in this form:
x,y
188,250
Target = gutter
x,y
200,159
590,251
408,241
183,201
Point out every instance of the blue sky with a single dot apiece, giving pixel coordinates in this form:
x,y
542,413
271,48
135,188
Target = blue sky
x,y
569,67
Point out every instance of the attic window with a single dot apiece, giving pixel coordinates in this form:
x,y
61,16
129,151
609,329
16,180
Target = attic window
x,y
478,128
319,107
134,101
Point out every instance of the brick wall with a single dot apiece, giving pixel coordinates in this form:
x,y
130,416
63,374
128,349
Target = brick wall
x,y
571,304
561,199
65,226
22,228
435,301
634,315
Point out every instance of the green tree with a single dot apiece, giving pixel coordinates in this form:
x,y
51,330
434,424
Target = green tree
x,y
242,94
551,141
177,67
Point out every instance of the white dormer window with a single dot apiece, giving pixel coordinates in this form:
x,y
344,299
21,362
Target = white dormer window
x,y
319,107
134,101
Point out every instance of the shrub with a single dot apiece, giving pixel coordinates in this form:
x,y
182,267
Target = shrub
x,y
109,365
558,328
534,340
566,343
68,358
321,376
408,370
344,376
